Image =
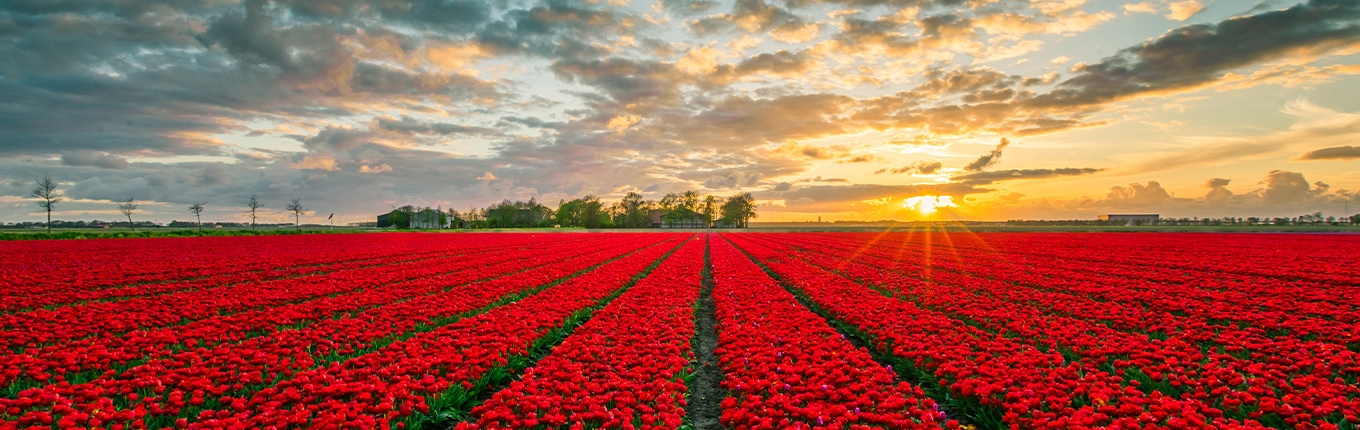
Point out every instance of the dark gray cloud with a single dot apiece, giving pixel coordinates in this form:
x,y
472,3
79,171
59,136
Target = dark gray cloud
x,y
983,178
339,138
752,16
302,53
1334,153
409,125
1196,55
555,29
92,158
989,159
624,80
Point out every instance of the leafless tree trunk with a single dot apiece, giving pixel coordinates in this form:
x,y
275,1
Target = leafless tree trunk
x,y
197,210
46,190
253,204
296,208
127,208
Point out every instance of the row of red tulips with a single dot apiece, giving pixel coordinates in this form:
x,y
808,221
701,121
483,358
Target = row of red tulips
x,y
277,266
43,273
222,373
626,368
110,319
1313,388
82,359
784,367
1146,309
428,377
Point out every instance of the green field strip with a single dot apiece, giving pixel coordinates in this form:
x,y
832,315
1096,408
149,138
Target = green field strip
x,y
703,409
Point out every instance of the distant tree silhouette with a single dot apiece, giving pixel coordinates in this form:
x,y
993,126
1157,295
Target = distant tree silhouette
x,y
252,206
739,209
297,209
127,208
46,191
197,210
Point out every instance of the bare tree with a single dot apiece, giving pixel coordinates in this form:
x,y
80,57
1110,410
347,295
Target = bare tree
x,y
197,210
127,208
297,209
253,204
46,190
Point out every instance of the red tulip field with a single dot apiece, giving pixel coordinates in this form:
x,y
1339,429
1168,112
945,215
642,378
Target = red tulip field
x,y
892,330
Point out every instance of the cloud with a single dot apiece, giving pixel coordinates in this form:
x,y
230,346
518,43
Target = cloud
x,y
734,180
409,125
317,162
756,16
338,137
1197,55
623,122
1218,190
921,167
860,158
1182,10
1135,195
380,168
1333,153
1315,126
1140,7
689,7
101,160
989,159
1289,187
983,178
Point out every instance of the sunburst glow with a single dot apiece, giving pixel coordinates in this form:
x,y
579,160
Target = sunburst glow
x,y
927,205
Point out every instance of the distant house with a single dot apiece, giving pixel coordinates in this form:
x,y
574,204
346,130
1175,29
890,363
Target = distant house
x,y
679,218
529,218
427,219
1132,219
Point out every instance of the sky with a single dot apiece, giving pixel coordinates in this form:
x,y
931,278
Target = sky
x,y
822,109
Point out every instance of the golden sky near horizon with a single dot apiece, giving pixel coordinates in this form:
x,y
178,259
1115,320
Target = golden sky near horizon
x,y
838,109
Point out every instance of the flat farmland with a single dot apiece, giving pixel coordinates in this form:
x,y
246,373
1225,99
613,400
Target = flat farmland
x,y
662,330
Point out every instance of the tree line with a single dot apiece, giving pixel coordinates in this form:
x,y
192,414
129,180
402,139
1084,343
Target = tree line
x,y
632,211
45,190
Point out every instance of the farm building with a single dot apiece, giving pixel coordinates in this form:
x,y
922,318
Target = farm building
x,y
679,218
428,218
1132,219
